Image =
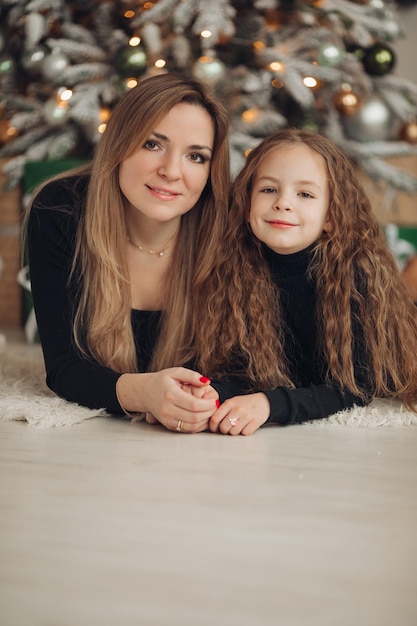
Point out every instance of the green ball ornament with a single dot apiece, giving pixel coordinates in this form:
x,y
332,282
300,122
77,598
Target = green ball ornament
x,y
131,61
378,60
330,54
209,70
7,65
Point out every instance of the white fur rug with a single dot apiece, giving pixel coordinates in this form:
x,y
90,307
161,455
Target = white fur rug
x,y
24,396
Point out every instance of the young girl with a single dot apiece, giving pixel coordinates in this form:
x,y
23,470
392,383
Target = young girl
x,y
305,247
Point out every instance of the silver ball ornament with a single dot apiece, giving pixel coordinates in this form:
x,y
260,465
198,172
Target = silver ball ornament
x,y
55,113
54,65
32,60
371,122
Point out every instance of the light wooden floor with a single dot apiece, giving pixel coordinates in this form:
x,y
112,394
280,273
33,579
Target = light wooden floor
x,y
109,523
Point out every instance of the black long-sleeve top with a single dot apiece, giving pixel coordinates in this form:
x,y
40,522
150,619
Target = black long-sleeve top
x,y
311,398
51,235
51,243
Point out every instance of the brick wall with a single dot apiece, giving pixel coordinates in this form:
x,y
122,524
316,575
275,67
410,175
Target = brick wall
x,y
10,247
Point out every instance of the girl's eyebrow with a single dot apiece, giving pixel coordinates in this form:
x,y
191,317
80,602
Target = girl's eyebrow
x,y
297,182
192,147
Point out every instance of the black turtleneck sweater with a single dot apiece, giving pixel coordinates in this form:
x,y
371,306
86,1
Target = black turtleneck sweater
x,y
312,398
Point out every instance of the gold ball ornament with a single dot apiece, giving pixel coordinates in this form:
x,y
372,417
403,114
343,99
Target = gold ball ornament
x,y
273,19
408,132
346,101
7,132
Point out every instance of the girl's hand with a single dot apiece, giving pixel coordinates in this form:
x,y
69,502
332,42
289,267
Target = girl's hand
x,y
206,391
160,395
241,415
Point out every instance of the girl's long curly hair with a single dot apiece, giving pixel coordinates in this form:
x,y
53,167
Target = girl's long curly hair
x,y
357,284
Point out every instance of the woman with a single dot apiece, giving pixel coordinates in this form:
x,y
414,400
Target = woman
x,y
120,252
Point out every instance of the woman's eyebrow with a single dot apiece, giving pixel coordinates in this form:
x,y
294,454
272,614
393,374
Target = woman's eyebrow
x,y
191,147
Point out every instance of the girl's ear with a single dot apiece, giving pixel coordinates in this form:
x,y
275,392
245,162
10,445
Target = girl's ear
x,y
327,227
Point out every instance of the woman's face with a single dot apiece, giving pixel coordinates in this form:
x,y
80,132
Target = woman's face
x,y
165,177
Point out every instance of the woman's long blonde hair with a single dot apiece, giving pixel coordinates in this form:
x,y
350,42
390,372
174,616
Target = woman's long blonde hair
x,y
102,319
357,281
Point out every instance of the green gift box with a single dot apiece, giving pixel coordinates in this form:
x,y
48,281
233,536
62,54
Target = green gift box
x,y
402,240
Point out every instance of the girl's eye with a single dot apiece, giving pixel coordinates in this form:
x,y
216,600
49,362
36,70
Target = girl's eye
x,y
305,194
196,157
268,190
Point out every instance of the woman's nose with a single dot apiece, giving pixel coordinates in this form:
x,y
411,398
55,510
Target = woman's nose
x,y
170,168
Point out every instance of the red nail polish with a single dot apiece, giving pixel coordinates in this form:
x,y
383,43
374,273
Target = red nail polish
x,y
204,379
217,403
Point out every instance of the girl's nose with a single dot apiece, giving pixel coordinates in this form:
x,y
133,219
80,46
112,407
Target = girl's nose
x,y
281,203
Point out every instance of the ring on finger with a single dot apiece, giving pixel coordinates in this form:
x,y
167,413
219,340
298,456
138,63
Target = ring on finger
x,y
233,420
179,425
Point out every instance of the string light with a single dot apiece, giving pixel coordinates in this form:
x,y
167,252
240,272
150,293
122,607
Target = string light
x,y
250,115
131,83
160,63
276,66
134,41
64,94
310,81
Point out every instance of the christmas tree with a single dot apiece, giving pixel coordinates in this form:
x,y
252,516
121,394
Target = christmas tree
x,y
324,65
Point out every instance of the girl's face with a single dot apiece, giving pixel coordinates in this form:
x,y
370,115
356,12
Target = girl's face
x,y
165,177
290,199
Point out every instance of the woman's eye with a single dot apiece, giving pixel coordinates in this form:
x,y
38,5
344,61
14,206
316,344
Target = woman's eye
x,y
151,145
196,157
